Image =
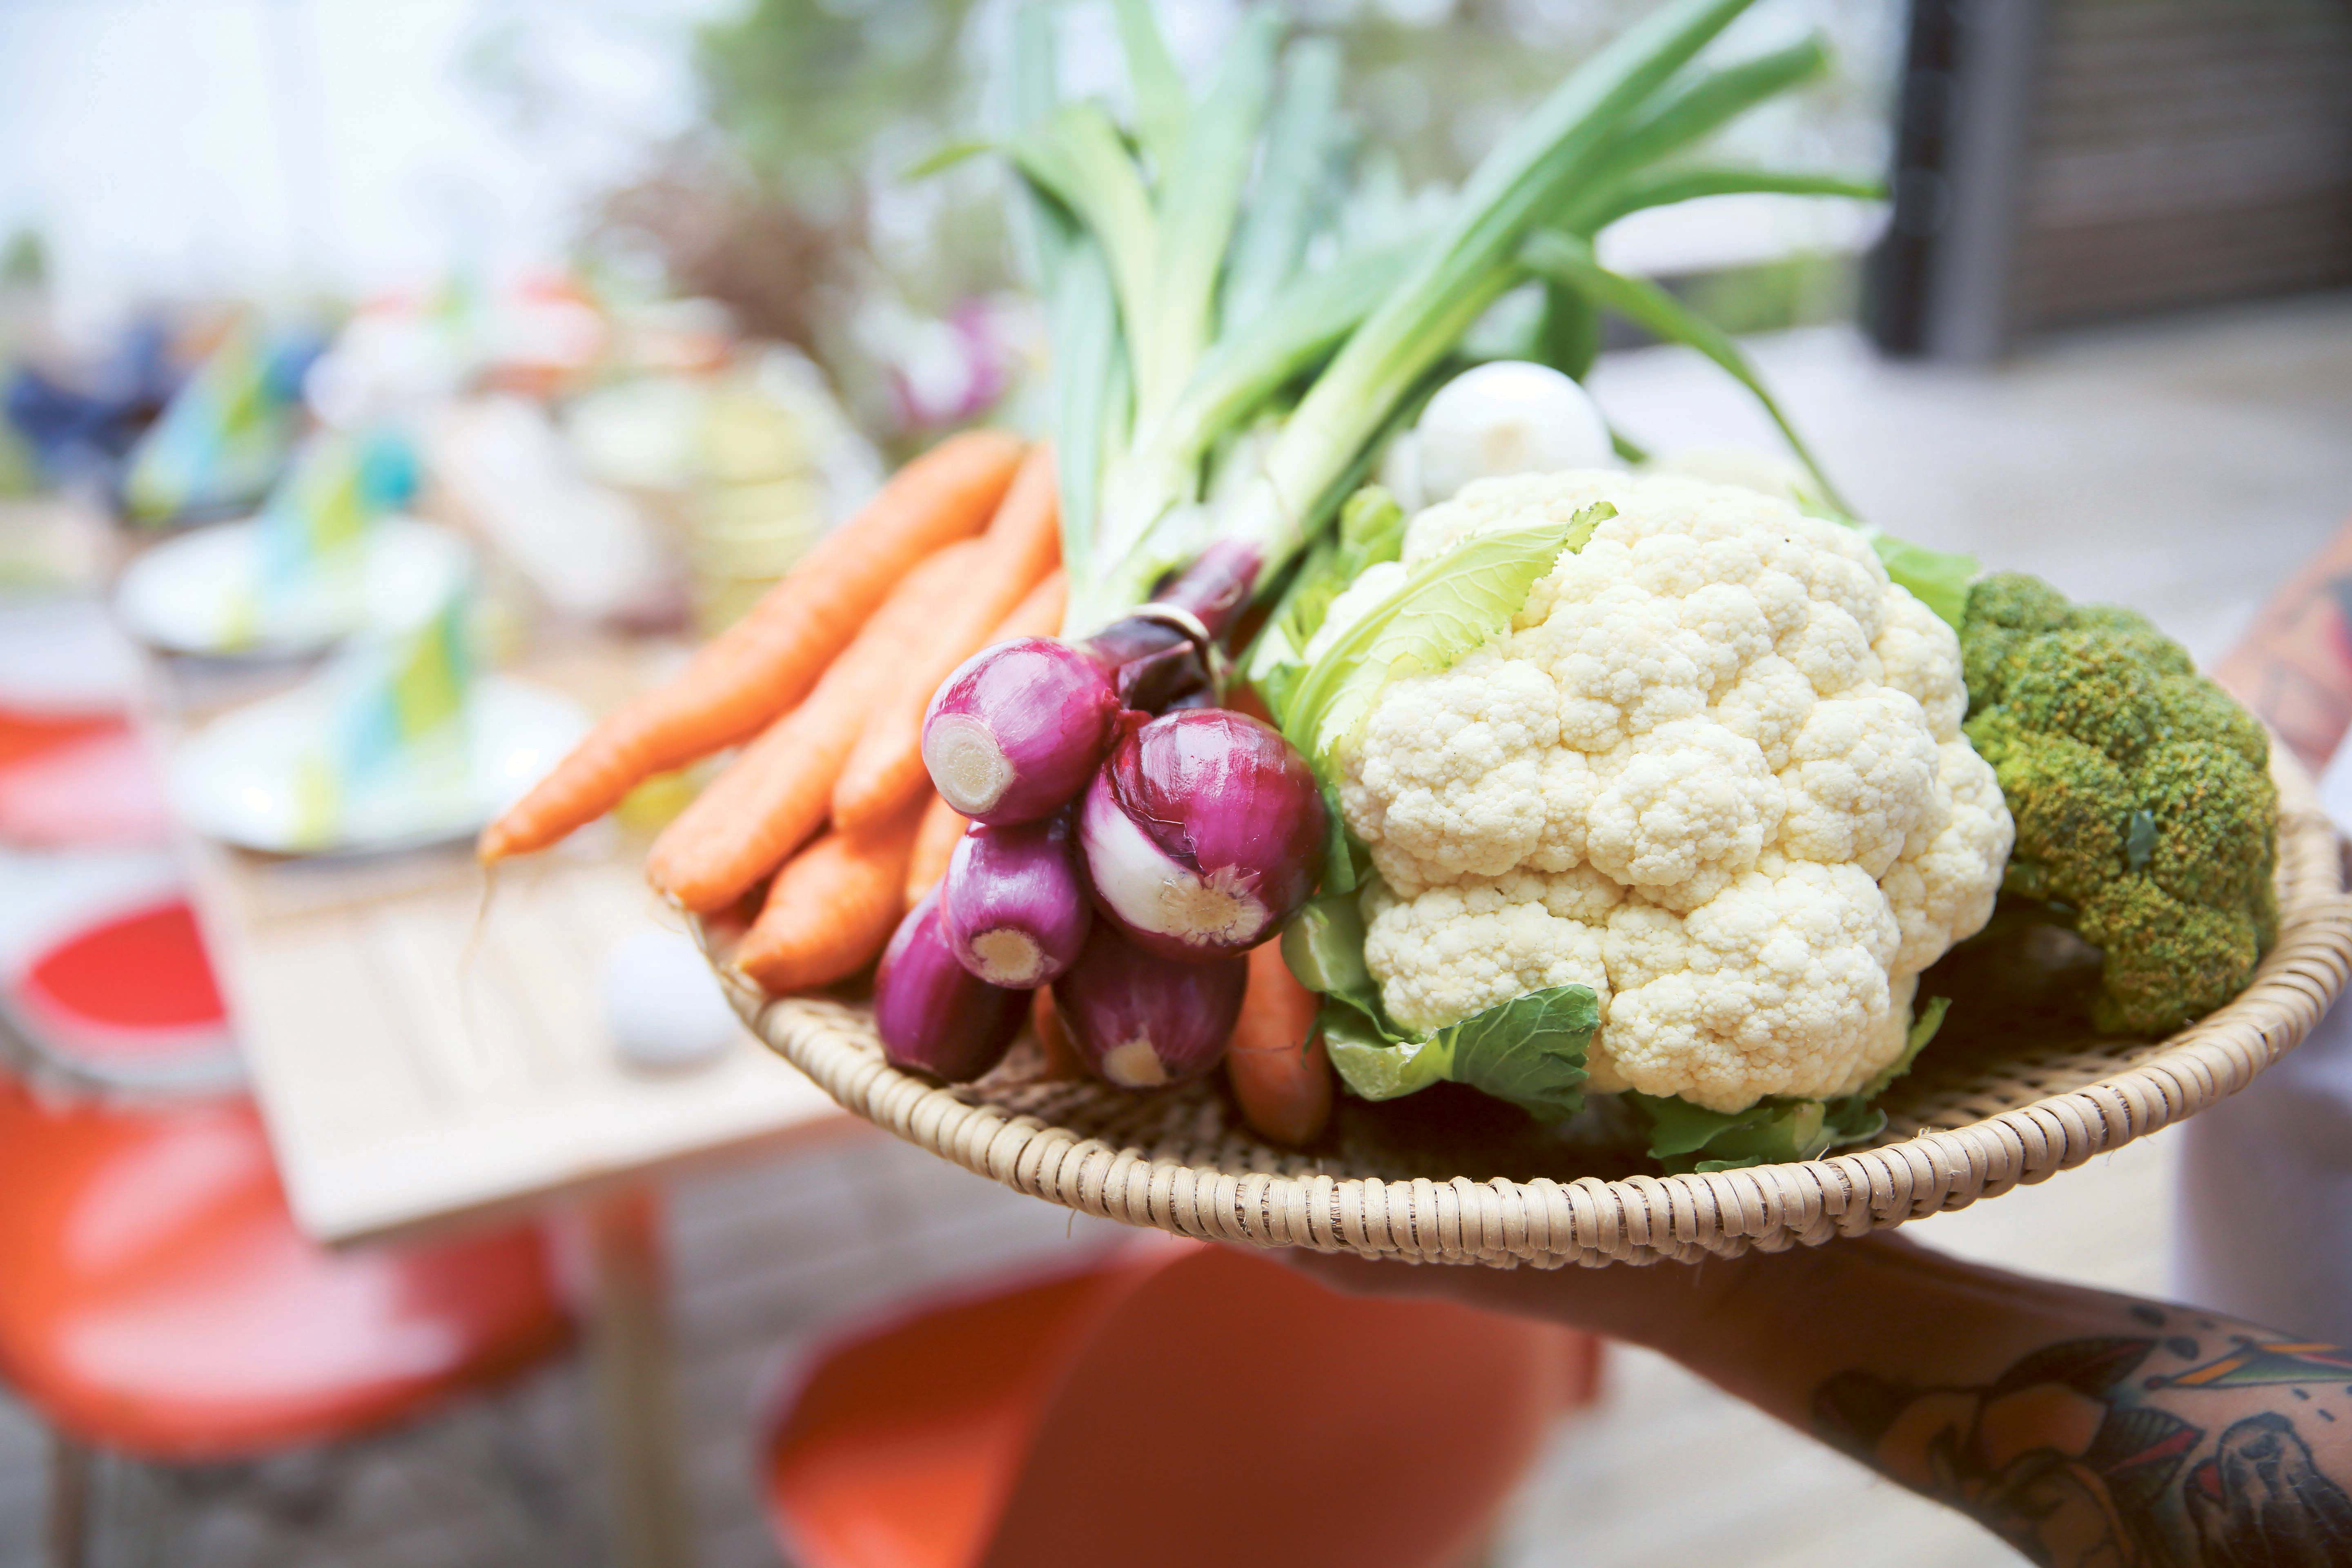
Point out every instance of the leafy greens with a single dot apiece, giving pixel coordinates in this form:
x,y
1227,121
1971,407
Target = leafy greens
x,y
1684,1137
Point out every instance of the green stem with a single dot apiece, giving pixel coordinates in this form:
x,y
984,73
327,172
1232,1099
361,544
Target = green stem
x,y
1473,261
1568,259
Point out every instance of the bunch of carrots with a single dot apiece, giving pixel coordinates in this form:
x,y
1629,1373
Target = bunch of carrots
x,y
822,689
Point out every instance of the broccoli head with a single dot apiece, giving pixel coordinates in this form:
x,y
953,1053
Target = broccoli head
x,y
2142,795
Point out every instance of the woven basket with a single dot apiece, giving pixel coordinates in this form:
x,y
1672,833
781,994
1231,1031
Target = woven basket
x,y
2028,1091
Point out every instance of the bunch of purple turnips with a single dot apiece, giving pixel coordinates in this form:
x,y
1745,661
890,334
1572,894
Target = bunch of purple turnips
x,y
1130,842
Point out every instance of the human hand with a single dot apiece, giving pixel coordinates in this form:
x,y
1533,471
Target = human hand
x,y
1659,1305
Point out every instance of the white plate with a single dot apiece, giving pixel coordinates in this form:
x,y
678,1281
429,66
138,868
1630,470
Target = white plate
x,y
240,778
201,593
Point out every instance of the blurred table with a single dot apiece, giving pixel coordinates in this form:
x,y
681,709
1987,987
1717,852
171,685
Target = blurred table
x,y
426,1058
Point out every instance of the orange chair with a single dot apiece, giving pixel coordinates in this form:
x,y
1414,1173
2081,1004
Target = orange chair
x,y
156,1300
1179,1405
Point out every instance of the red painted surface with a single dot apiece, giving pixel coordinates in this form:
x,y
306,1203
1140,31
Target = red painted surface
x,y
157,1298
144,970
26,735
1179,1407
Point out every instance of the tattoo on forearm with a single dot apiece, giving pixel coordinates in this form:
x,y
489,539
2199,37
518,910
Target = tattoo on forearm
x,y
2184,1444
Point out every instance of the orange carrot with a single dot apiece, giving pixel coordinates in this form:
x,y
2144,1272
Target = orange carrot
x,y
772,796
1275,1060
886,771
765,662
1038,614
1062,1058
935,840
832,907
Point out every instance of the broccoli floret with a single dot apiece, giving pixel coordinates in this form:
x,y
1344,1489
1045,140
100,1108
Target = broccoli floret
x,y
2167,963
2142,797
2004,610
2191,707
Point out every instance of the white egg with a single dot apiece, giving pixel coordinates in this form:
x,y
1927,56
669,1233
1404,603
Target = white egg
x,y
1508,417
663,1005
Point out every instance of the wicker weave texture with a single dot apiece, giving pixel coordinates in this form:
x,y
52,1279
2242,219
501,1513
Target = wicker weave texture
x,y
1179,1161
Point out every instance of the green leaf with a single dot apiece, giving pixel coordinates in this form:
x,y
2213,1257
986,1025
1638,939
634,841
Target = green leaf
x,y
1305,322
942,158
1086,367
1939,579
1567,334
1293,190
1163,112
1371,532
1076,156
1371,528
1686,1137
1851,1118
1087,373
1568,259
1471,262
1925,1024
1044,230
1451,607
1690,184
1698,107
1323,946
2139,840
1529,1050
1372,1063
1199,193
1275,671
1341,873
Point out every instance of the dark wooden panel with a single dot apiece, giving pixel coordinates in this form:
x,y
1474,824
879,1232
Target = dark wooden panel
x,y
2183,151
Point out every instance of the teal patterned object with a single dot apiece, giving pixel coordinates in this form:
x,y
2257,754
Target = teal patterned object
x,y
399,723
316,520
224,437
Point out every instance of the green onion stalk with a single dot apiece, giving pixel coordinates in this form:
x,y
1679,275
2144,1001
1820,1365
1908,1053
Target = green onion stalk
x,y
1229,351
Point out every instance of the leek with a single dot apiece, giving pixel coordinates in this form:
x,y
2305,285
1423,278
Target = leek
x,y
1184,312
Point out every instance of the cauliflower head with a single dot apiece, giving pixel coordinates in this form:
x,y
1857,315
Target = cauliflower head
x,y
1715,769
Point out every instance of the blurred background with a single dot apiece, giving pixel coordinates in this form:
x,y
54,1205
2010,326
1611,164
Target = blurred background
x,y
515,344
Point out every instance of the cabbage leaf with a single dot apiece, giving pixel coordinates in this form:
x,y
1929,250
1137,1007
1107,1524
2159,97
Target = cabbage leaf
x,y
1529,1050
1451,607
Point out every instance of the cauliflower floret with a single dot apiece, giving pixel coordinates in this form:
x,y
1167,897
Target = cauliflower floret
x,y
1947,883
1831,650
1782,988
1747,820
1623,662
1683,811
1768,704
1457,951
1861,774
1450,780
1918,653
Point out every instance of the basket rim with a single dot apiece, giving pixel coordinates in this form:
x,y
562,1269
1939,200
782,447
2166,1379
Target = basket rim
x,y
1634,1219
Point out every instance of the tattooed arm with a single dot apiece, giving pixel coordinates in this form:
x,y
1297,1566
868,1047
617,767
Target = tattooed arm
x,y
2088,1431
